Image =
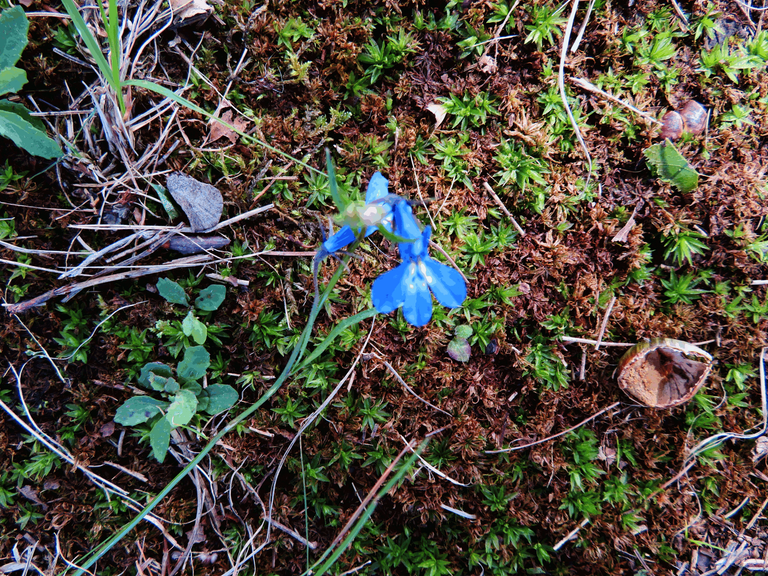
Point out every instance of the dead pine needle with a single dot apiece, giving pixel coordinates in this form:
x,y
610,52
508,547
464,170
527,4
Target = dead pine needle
x,y
563,433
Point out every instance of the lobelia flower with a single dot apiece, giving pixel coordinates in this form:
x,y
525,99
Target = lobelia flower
x,y
376,212
410,283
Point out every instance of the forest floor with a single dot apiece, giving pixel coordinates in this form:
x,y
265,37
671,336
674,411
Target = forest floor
x,y
537,461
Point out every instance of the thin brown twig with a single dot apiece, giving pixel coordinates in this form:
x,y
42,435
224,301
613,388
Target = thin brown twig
x,y
71,289
604,323
408,388
507,213
568,537
548,438
574,340
447,257
587,85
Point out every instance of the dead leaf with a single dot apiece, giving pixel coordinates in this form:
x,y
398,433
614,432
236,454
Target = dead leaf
x,y
186,12
439,111
201,202
487,64
623,234
760,450
108,429
31,494
219,130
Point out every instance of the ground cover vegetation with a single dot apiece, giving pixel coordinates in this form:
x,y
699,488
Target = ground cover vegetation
x,y
492,437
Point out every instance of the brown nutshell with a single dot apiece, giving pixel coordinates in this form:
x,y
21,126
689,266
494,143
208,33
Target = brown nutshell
x,y
694,117
673,126
658,373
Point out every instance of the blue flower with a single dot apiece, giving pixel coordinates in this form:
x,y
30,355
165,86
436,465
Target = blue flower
x,y
378,204
410,283
376,196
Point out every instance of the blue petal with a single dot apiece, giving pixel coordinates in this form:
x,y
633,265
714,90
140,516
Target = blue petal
x,y
343,237
387,291
417,307
406,225
447,284
377,188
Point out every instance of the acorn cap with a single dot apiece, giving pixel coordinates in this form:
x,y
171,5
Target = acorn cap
x,y
658,373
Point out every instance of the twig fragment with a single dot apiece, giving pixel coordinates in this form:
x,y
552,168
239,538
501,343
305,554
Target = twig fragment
x,y
507,213
548,438
604,324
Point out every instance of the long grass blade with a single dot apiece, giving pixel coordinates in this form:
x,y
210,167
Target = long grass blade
x,y
91,43
341,202
365,516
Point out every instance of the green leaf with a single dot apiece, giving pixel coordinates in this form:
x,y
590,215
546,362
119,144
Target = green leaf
x,y
160,439
156,382
459,349
220,397
165,200
671,166
340,201
13,36
463,331
195,363
194,328
138,409
172,292
182,408
23,112
11,80
195,388
17,125
171,386
157,368
211,298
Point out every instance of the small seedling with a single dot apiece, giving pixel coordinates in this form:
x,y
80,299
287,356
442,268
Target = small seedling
x,y
182,396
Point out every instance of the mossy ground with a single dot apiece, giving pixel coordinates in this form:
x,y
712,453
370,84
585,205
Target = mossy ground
x,y
359,78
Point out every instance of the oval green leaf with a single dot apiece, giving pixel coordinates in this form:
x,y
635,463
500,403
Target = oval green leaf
x,y
160,439
220,397
182,408
211,298
156,368
194,328
138,409
13,35
195,363
17,125
172,292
